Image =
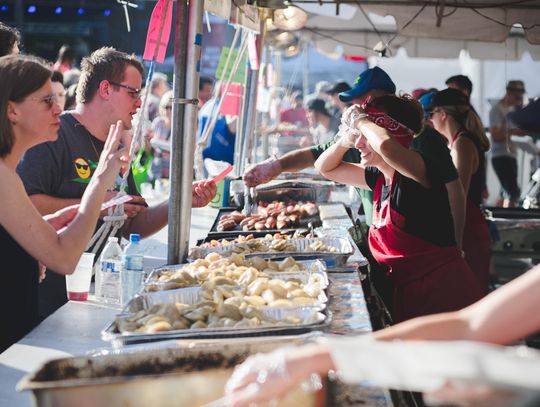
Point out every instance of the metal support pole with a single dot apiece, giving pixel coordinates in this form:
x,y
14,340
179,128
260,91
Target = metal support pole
x,y
264,141
305,77
183,132
249,112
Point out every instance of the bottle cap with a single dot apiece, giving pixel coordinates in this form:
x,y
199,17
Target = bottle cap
x,y
134,237
113,239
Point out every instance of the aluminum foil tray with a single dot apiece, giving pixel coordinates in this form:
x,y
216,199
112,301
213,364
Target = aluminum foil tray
x,y
337,223
188,295
310,265
302,251
312,317
332,210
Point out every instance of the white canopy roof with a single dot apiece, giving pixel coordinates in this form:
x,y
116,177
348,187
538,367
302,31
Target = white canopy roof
x,y
483,27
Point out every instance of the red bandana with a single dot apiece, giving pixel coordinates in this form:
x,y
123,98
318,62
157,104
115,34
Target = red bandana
x,y
402,134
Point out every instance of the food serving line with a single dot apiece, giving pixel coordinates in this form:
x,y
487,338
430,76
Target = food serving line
x,y
321,267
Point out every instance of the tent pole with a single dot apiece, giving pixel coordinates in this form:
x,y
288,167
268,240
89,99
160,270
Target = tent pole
x,y
305,77
187,53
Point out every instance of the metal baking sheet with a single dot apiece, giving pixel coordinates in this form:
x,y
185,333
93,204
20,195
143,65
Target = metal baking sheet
x,y
188,295
322,321
303,222
295,190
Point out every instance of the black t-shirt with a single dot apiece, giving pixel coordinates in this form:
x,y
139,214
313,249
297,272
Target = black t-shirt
x,y
433,148
426,210
63,169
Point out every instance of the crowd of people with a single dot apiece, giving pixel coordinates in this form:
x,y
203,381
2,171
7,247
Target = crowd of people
x,y
58,167
418,163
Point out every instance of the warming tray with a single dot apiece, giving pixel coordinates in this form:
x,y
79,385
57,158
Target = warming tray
x,y
183,374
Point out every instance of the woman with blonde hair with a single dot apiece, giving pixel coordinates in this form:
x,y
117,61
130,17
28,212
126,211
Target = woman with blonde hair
x,y
29,115
453,117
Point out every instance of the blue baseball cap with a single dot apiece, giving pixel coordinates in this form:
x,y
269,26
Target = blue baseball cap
x,y
371,79
425,101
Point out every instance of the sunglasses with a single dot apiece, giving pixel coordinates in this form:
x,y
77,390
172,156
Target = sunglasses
x,y
81,166
49,100
135,93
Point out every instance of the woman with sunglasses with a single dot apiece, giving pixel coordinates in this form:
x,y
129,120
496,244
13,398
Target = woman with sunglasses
x,y
412,231
29,116
453,117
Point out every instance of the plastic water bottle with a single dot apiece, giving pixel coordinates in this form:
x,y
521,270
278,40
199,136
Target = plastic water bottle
x,y
111,264
133,273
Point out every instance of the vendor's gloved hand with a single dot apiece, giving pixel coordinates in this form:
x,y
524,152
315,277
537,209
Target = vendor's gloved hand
x,y
262,173
352,117
267,377
346,136
202,192
262,377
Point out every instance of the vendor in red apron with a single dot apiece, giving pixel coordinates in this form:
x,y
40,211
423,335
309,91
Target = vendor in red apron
x,y
453,117
412,231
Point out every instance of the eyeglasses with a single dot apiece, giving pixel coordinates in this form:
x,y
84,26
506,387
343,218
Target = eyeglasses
x,y
431,113
133,92
49,100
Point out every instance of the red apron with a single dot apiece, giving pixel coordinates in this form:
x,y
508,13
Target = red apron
x,y
476,240
428,279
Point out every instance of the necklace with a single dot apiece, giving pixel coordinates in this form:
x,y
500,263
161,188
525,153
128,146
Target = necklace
x,y
92,143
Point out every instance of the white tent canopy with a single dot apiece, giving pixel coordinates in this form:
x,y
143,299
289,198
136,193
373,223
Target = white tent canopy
x,y
485,32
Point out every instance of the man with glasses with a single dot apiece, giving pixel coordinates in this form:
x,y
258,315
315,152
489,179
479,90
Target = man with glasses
x,y
55,174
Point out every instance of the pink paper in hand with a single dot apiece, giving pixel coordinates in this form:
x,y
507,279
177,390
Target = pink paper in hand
x,y
116,201
223,174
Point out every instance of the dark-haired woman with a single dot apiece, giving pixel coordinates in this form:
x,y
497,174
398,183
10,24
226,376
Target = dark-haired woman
x,y
412,231
454,118
29,116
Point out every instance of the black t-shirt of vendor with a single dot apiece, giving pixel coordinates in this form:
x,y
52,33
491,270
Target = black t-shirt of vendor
x,y
426,210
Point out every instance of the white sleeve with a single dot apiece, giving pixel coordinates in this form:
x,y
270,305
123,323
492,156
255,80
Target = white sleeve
x,y
426,366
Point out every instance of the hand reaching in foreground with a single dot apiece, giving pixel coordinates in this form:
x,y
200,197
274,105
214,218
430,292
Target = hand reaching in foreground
x,y
270,376
262,173
202,193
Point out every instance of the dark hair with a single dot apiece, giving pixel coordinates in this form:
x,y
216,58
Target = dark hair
x,y
20,76
9,36
205,80
103,64
71,95
462,82
57,76
405,109
66,54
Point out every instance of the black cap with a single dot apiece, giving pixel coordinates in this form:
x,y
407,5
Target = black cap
x,y
317,105
339,87
462,81
448,97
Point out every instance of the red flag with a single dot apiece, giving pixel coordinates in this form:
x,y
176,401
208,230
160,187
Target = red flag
x,y
159,30
354,58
